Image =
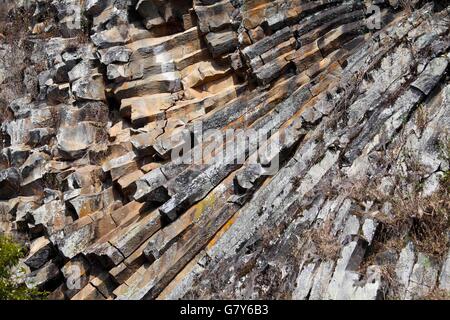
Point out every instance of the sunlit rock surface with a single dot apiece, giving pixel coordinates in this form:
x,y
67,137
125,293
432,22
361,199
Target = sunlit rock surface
x,y
353,97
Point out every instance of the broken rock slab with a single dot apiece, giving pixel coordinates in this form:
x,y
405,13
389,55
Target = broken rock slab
x,y
9,183
73,141
41,251
90,88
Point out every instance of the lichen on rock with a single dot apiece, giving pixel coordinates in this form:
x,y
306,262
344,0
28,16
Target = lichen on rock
x,y
227,149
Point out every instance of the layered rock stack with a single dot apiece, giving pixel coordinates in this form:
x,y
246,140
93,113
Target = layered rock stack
x,y
352,96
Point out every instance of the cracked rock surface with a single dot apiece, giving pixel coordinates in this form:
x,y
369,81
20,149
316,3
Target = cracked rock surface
x,y
357,118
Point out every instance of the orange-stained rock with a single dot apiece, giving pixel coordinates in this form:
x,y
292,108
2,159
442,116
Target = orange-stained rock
x,y
108,164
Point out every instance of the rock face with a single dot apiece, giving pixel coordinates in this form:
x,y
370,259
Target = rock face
x,y
113,167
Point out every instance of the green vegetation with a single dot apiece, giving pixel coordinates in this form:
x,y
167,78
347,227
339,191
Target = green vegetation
x,y
10,253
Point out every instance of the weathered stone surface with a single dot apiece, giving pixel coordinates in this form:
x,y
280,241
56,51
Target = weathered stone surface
x,y
34,168
41,251
116,54
9,183
76,275
134,236
334,132
73,141
94,7
150,187
444,278
91,88
223,42
214,15
423,278
432,74
44,276
50,217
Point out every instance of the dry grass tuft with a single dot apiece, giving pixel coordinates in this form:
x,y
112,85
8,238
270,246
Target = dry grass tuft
x,y
421,118
412,216
14,24
326,243
424,220
407,6
437,294
392,285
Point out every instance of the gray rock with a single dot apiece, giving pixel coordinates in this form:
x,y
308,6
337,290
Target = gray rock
x,y
220,43
94,7
444,278
57,94
304,282
151,187
74,242
42,277
432,184
369,228
432,74
404,267
81,70
267,43
321,280
342,284
388,257
74,141
338,94
89,88
9,183
34,168
50,217
86,204
423,278
41,251
246,178
40,136
76,275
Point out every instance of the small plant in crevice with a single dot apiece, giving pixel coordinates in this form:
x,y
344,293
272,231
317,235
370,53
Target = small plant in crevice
x,y
10,254
406,5
325,242
410,215
437,294
421,118
391,290
424,220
